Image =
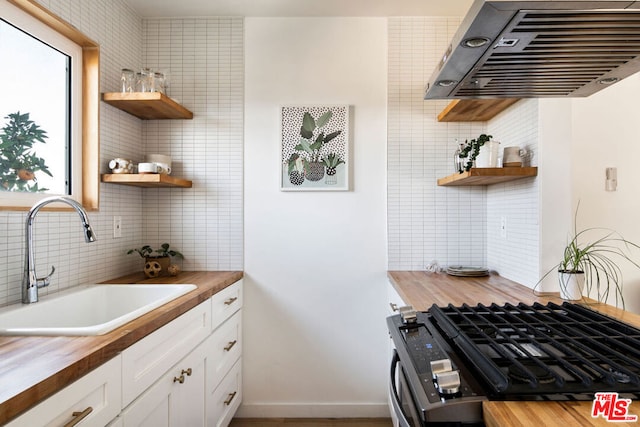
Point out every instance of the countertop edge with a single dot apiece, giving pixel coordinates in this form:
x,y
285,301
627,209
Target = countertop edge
x,y
88,352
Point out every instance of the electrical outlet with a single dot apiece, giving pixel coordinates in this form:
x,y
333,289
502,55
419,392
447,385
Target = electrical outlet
x,y
503,227
117,227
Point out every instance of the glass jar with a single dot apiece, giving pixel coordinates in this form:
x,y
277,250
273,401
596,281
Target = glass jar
x,y
158,83
127,80
144,80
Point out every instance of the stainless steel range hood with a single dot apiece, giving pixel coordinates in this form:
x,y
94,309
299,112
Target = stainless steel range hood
x,y
539,48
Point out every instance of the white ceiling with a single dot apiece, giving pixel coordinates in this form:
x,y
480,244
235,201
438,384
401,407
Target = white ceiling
x,y
288,8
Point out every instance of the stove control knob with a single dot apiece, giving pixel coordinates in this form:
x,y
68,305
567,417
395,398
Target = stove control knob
x,y
448,382
440,366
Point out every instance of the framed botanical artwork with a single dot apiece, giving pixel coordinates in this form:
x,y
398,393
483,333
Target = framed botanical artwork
x,y
315,148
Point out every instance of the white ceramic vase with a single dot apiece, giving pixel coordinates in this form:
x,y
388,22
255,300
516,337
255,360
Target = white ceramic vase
x,y
571,285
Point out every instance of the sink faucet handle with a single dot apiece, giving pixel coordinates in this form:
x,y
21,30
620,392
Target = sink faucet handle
x,y
42,282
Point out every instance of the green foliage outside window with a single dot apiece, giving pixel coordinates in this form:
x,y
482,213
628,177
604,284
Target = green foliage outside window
x,y
18,160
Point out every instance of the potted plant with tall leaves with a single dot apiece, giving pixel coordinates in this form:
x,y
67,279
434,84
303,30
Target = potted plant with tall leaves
x,y
590,263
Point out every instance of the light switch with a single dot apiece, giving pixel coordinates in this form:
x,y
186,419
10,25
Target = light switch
x,y
611,182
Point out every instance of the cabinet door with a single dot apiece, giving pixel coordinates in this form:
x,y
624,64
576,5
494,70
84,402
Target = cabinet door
x,y
175,400
225,303
96,398
148,359
225,399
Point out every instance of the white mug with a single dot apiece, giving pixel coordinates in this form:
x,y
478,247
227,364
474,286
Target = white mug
x,y
512,157
163,168
148,168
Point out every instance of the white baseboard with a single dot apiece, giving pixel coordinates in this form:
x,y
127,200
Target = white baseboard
x,y
313,410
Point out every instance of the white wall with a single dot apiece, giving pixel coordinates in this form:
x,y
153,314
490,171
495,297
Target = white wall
x,y
606,134
315,262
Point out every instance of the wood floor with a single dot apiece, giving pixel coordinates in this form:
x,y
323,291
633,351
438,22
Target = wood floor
x,y
310,422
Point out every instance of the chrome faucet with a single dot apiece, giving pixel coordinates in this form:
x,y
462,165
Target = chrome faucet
x,y
30,282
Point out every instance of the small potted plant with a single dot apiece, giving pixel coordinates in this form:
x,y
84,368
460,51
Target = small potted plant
x,y
589,263
470,150
158,261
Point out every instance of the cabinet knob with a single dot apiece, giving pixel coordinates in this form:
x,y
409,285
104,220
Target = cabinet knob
x,y
78,416
230,398
187,371
230,301
230,345
179,379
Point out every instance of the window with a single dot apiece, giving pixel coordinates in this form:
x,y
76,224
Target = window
x,y
48,110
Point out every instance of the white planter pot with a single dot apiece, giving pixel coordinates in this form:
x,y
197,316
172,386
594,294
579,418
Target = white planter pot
x,y
571,285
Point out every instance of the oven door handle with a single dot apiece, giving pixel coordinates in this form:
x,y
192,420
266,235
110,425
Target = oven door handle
x,y
395,400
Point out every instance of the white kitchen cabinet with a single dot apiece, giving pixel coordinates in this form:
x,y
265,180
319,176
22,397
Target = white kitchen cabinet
x,y
96,398
225,399
147,360
224,364
187,373
225,303
225,348
165,390
176,399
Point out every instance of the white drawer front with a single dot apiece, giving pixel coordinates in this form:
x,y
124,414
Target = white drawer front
x,y
223,403
225,348
100,390
148,359
225,303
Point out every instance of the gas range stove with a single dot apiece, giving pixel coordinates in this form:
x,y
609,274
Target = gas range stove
x,y
450,359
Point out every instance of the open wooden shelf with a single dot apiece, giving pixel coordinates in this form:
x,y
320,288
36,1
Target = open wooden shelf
x,y
147,180
147,105
474,110
488,176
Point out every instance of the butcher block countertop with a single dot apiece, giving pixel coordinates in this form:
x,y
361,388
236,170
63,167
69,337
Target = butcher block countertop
x,y
34,368
421,290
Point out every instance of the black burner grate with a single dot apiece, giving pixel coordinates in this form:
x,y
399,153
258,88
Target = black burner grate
x,y
544,351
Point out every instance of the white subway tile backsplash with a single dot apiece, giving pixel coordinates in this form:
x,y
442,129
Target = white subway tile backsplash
x,y
206,71
450,225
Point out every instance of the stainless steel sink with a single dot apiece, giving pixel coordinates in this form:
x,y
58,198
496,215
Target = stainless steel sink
x,y
88,309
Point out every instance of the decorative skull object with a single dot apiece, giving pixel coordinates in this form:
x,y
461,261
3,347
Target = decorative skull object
x,y
152,269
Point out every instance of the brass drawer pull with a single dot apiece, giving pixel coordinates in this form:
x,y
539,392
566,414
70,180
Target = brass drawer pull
x,y
78,416
179,379
187,371
230,301
230,345
230,398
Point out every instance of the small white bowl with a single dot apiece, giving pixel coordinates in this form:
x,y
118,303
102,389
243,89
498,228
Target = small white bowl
x,y
148,168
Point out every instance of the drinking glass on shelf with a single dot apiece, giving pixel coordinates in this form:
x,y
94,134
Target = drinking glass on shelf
x,y
127,80
158,82
144,80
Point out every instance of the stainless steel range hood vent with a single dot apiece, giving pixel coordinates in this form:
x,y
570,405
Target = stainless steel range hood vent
x,y
537,49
